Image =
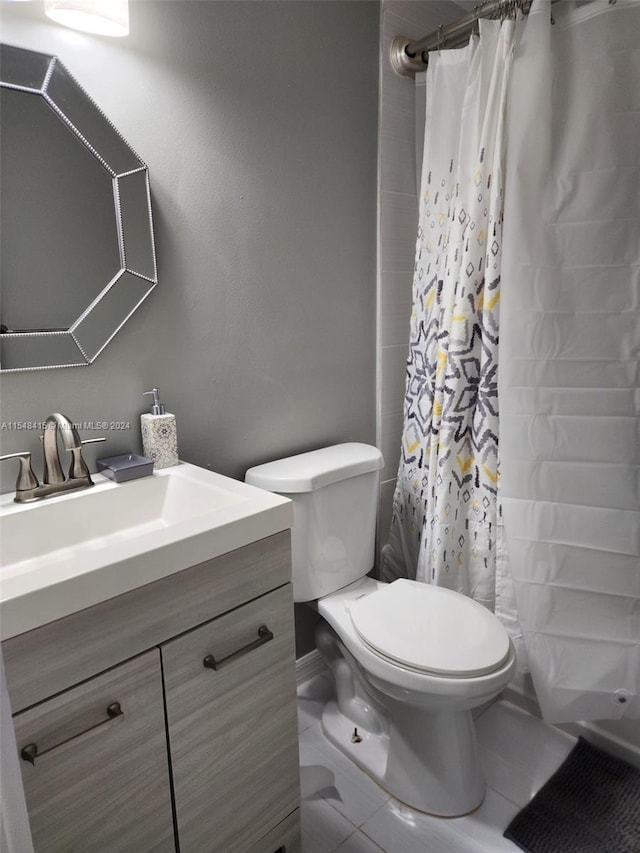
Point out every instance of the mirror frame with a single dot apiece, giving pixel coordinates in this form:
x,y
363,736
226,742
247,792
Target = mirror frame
x,y
44,75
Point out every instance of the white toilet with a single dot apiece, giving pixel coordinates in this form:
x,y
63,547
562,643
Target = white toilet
x,y
410,660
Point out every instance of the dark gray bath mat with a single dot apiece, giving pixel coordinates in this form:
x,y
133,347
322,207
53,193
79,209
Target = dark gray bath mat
x,y
591,804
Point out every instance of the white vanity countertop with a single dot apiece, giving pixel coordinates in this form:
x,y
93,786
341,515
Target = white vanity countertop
x,y
74,550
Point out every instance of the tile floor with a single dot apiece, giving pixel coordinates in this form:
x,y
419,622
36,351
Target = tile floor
x,y
343,811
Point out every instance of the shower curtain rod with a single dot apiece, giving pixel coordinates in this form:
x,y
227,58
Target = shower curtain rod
x,y
407,56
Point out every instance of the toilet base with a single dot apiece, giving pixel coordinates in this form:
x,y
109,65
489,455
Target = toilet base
x,y
426,760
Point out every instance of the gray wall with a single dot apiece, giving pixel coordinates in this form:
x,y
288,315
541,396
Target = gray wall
x,y
258,121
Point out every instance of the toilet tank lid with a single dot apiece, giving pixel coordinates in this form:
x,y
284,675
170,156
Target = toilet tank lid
x,y
309,471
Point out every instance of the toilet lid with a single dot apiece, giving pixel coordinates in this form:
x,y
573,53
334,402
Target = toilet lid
x,y
430,629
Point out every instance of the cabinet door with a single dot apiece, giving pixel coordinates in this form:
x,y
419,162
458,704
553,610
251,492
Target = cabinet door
x,y
94,764
286,837
233,728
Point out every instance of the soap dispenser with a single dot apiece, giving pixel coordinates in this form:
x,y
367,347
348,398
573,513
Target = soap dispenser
x,y
159,434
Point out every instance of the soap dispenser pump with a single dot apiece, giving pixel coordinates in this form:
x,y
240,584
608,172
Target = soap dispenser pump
x,y
159,434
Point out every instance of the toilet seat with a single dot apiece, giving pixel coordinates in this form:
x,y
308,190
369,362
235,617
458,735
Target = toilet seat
x,y
430,630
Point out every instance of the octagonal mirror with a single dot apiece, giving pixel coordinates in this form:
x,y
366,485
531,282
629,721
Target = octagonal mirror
x,y
77,249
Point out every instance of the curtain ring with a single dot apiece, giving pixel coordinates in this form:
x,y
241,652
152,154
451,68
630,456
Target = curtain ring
x,y
439,37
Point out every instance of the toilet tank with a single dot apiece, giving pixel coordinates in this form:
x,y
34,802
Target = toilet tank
x,y
335,499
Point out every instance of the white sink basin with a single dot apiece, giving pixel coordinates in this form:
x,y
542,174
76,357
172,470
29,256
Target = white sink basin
x,y
71,551
86,520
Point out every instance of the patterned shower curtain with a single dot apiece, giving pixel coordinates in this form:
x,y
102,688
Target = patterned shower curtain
x,y
444,521
565,295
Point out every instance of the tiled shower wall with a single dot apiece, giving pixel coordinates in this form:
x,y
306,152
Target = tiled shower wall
x,y
397,224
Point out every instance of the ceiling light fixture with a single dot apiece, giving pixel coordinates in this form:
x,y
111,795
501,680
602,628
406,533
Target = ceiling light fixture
x,y
101,17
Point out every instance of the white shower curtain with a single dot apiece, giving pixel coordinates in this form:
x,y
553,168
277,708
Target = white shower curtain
x,y
558,95
444,523
569,356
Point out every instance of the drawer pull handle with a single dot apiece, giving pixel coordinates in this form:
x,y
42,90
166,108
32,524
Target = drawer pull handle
x,y
30,751
264,635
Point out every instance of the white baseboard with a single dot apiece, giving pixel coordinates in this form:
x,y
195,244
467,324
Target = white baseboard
x,y
308,666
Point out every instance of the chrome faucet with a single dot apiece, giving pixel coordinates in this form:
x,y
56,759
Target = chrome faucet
x,y
57,424
54,481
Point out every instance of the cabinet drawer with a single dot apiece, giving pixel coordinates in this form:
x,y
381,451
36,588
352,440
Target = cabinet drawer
x,y
90,641
233,726
95,767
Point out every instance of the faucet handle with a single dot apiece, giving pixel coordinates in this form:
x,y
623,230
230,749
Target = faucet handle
x,y
79,467
26,478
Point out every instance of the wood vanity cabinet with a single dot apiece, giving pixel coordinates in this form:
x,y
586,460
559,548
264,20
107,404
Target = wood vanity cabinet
x,y
165,719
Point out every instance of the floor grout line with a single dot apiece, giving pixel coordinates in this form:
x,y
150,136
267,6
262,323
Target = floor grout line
x,y
503,795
